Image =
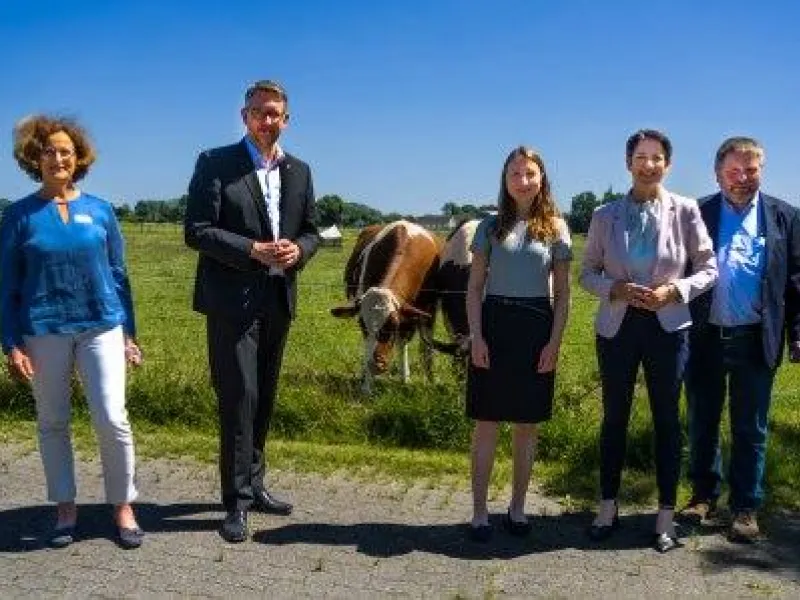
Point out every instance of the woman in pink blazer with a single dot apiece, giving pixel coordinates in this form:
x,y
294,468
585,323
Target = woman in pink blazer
x,y
636,258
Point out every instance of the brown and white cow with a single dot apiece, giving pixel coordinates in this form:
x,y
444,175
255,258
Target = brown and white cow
x,y
451,283
389,281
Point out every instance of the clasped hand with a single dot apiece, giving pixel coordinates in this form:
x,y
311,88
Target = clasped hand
x,y
641,296
281,254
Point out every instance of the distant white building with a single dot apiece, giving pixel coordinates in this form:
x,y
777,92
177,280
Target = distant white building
x,y
331,236
436,221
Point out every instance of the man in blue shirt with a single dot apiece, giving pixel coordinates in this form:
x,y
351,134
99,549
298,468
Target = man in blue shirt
x,y
740,328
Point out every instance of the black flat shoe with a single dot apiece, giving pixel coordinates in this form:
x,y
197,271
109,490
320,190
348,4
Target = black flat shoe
x,y
130,538
664,542
61,537
479,533
516,528
234,527
265,502
600,533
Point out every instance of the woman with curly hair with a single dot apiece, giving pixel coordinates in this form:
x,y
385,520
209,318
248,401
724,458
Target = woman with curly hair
x,y
517,304
65,303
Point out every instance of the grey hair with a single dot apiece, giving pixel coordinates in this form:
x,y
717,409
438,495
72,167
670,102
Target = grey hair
x,y
739,145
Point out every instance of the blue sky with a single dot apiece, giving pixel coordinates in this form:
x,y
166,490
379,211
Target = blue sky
x,y
408,105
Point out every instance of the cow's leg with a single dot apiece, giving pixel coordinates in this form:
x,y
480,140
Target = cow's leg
x,y
405,371
462,356
457,364
426,350
456,360
451,333
366,370
366,381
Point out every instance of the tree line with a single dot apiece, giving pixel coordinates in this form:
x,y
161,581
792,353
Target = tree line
x,y
334,210
143,211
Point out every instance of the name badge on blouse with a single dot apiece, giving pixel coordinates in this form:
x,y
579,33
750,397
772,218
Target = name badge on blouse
x,y
85,219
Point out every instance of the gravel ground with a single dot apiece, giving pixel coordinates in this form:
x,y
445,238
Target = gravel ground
x,y
351,539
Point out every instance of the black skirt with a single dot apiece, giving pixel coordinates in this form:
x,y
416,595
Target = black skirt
x,y
511,389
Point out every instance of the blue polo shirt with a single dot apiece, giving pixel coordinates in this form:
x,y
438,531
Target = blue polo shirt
x,y
741,256
61,278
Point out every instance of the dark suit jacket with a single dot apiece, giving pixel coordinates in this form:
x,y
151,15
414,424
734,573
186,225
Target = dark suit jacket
x,y
780,292
226,213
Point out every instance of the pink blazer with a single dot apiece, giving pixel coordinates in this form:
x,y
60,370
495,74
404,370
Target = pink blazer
x,y
682,240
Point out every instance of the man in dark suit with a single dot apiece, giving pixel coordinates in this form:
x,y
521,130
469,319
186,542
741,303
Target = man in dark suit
x,y
740,328
250,215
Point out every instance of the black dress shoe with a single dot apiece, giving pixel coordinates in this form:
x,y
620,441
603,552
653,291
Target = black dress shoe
x,y
516,528
61,537
599,533
130,537
479,533
234,527
265,502
664,542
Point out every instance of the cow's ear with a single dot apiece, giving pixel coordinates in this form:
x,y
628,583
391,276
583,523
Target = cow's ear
x,y
411,312
345,312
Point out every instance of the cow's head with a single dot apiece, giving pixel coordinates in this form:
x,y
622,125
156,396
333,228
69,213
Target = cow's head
x,y
381,317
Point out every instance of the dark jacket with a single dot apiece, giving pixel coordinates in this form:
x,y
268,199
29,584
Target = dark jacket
x,y
226,213
780,291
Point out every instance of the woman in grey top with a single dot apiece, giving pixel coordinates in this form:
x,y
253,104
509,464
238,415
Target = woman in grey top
x,y
516,329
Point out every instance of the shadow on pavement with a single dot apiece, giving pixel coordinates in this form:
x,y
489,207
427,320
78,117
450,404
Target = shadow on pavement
x,y
27,528
549,534
778,550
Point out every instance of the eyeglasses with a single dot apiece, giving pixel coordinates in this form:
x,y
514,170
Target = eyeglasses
x,y
50,152
266,115
739,174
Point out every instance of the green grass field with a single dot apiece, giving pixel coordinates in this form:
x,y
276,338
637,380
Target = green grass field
x,y
322,422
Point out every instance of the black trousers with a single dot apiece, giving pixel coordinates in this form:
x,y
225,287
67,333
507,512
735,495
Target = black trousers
x,y
245,361
642,341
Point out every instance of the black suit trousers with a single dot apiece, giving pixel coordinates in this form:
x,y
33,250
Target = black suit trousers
x,y
245,361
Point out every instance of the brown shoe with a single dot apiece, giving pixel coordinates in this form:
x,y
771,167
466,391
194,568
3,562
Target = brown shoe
x,y
744,528
698,511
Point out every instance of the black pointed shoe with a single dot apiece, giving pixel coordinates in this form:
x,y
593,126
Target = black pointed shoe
x,y
265,502
664,542
234,527
516,528
479,533
600,533
130,538
61,537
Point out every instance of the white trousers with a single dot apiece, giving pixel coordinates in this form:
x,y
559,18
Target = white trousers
x,y
99,356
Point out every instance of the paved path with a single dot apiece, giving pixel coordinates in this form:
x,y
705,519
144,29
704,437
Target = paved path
x,y
355,540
